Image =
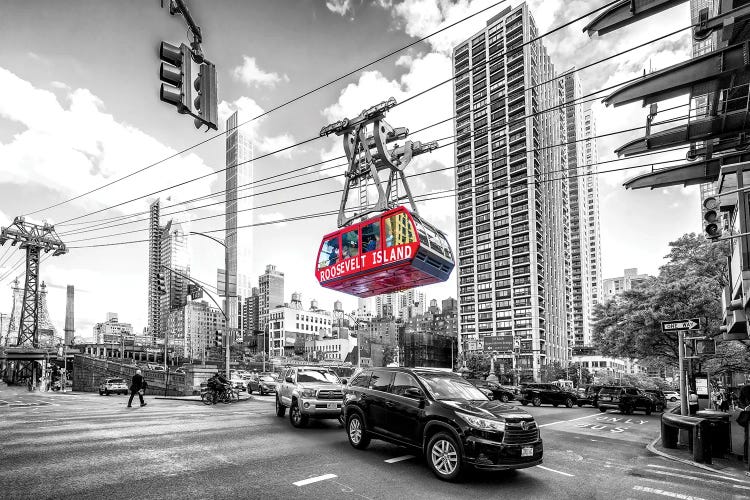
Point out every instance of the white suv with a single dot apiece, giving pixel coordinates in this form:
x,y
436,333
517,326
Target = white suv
x,y
309,392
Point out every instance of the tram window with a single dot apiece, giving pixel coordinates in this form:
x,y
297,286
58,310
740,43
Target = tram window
x,y
371,237
398,230
350,243
436,241
329,253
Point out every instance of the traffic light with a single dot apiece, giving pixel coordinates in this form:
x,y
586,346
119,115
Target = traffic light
x,y
218,339
712,218
161,284
206,99
175,72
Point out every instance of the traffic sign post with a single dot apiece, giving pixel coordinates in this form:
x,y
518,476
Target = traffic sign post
x,y
681,326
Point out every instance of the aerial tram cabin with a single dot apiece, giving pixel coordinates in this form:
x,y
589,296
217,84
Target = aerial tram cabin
x,y
391,252
395,249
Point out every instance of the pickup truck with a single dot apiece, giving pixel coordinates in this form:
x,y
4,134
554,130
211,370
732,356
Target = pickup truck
x,y
309,392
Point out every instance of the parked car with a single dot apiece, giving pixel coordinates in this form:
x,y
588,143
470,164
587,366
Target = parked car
x,y
660,399
539,394
626,399
499,392
262,383
590,395
672,396
309,392
237,383
486,391
113,386
441,415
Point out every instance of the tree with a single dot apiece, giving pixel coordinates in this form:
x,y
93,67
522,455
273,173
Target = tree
x,y
389,354
478,364
689,285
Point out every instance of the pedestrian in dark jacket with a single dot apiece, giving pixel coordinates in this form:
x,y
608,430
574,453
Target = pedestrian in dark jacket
x,y
136,386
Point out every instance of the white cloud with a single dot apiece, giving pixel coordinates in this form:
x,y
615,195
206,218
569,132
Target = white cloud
x,y
59,85
340,7
250,74
85,147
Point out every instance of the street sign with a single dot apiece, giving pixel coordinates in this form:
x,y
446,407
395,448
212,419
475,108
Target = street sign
x,y
681,325
503,343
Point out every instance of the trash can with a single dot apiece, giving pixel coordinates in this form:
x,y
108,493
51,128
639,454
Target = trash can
x,y
720,429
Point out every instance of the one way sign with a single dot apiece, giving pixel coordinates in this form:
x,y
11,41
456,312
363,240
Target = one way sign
x,y
681,324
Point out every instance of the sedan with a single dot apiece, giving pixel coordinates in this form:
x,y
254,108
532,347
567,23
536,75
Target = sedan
x,y
264,384
113,385
672,395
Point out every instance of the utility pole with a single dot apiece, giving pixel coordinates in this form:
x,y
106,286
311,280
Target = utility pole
x,y
681,357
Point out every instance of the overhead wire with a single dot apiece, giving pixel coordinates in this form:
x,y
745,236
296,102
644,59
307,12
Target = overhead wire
x,y
577,101
314,138
564,170
277,107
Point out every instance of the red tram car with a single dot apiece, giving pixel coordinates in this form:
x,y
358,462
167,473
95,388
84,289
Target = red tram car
x,y
391,252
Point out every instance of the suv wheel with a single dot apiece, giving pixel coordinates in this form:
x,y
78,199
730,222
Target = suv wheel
x,y
524,402
355,430
249,389
504,398
106,392
626,410
648,410
536,401
601,409
569,403
444,457
295,415
280,408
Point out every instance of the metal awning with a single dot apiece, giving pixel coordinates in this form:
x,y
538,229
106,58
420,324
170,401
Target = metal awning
x,y
626,12
687,174
708,69
723,125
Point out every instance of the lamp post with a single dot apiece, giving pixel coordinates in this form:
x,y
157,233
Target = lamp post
x,y
226,291
217,305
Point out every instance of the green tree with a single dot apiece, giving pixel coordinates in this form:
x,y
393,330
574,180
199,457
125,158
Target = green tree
x,y
389,355
689,285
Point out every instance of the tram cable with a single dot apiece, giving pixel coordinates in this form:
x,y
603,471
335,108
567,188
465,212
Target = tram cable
x,y
302,142
282,105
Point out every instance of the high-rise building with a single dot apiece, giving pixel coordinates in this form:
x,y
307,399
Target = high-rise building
x,y
450,306
401,305
584,208
175,256
271,285
238,213
154,268
195,325
514,262
112,331
251,315
615,286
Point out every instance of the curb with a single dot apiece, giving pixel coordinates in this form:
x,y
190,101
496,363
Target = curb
x,y
196,399
650,447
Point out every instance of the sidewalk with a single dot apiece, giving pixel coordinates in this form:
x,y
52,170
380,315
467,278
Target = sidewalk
x,y
730,465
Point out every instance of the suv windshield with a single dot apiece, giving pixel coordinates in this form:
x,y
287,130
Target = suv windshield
x,y
116,381
317,376
267,378
446,386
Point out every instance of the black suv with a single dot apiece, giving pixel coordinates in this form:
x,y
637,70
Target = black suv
x,y
591,395
538,394
443,416
625,399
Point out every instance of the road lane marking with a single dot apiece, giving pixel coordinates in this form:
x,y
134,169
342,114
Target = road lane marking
x,y
314,479
670,494
563,421
557,471
716,476
398,459
686,476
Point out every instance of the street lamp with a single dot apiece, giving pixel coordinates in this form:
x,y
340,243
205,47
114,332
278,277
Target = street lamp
x,y
226,289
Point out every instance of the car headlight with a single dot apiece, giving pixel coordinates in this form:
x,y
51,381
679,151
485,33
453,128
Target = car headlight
x,y
483,424
307,393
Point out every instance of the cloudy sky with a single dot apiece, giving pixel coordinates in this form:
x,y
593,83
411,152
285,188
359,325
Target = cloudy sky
x,y
79,108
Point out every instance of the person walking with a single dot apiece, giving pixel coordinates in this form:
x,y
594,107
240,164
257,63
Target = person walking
x,y
137,385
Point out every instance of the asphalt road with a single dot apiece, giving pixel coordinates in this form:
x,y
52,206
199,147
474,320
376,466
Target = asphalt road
x,y
90,446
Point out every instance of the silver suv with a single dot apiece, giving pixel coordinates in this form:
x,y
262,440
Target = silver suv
x,y
309,392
